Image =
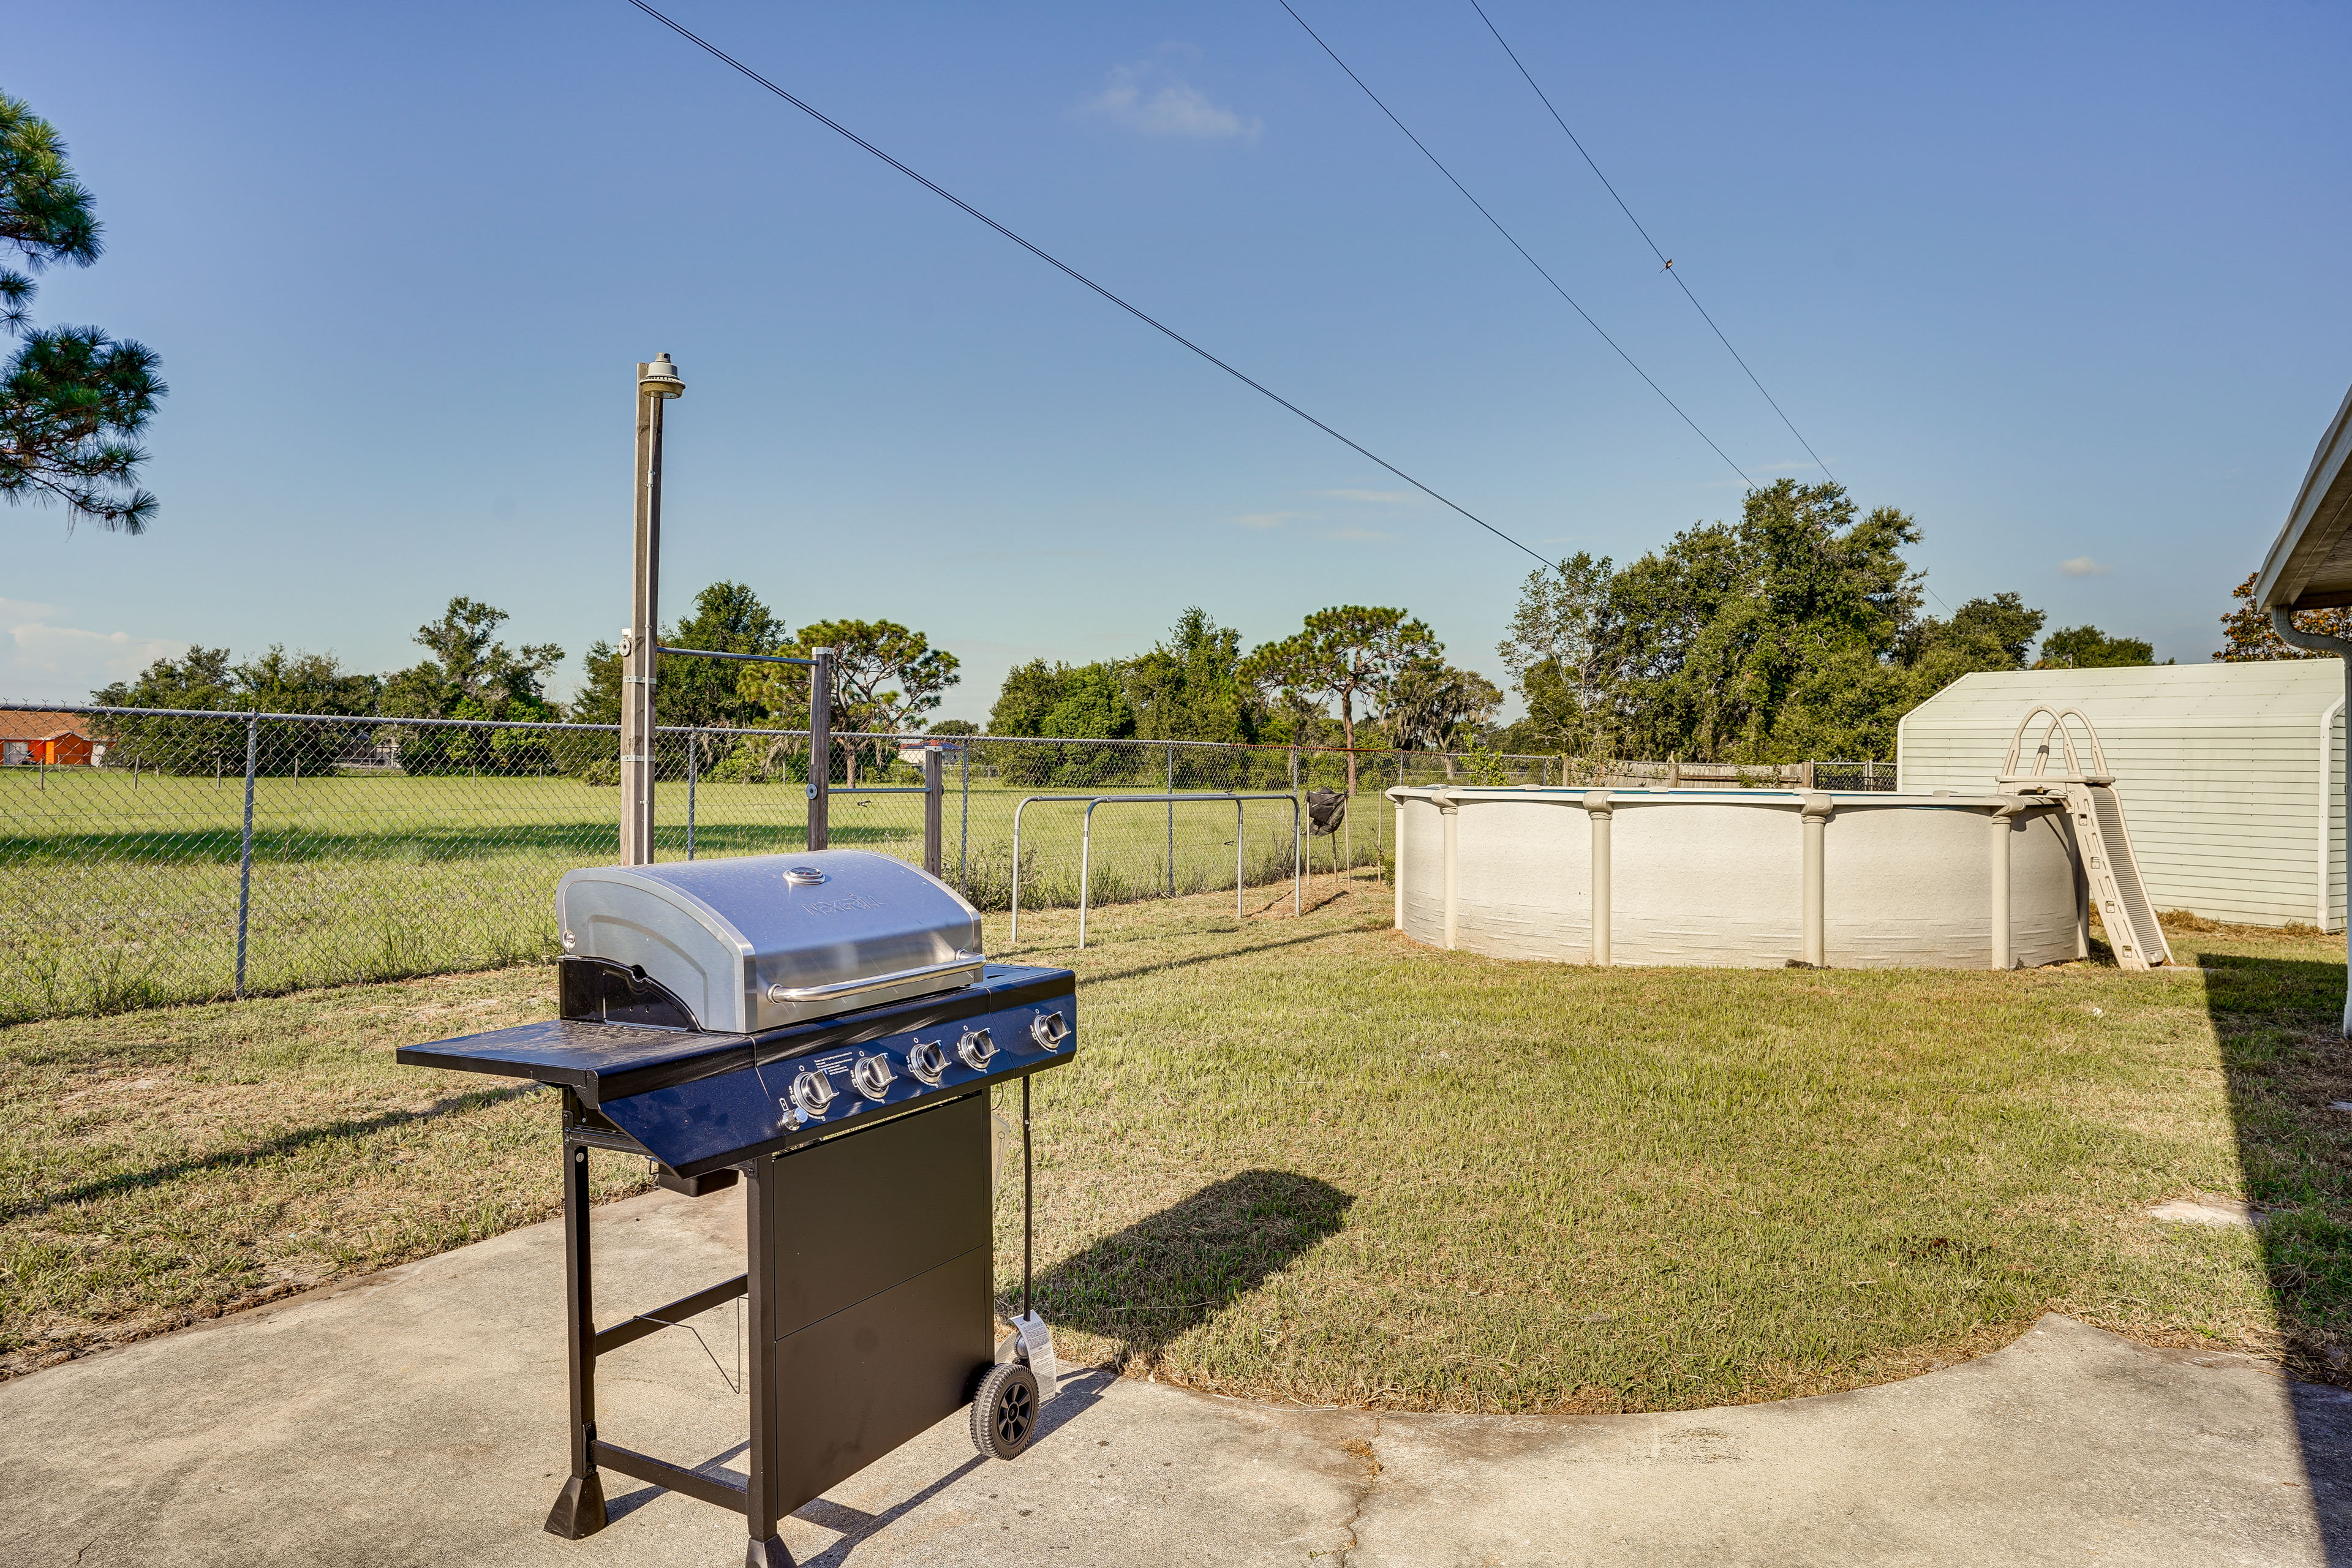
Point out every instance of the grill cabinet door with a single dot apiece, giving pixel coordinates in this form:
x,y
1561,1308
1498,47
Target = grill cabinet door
x,y
882,1285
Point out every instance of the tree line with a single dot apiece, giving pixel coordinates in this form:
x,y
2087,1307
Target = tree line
x,y
887,678
1799,631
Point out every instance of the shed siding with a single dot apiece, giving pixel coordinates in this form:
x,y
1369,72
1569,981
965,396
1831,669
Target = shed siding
x,y
2219,767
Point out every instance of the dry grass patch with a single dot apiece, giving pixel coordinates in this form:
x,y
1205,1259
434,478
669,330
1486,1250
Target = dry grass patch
x,y
170,1165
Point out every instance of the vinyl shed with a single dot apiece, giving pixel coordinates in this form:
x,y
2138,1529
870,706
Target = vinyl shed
x,y
2231,775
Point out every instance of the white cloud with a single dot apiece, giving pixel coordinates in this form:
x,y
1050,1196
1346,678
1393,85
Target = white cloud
x,y
44,662
1384,498
1352,535
1267,519
1152,100
2083,567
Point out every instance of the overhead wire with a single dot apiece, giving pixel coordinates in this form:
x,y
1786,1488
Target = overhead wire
x,y
1515,245
950,197
1667,261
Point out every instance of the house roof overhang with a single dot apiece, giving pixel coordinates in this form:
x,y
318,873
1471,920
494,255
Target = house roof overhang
x,y
2310,564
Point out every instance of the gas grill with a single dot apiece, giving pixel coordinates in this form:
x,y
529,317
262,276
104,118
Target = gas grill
x,y
822,1026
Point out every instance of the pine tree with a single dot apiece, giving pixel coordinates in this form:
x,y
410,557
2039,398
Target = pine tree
x,y
72,400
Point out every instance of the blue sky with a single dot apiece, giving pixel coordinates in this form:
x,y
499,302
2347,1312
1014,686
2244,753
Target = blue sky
x,y
2063,283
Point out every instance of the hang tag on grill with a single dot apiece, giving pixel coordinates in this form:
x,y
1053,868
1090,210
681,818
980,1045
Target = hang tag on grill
x,y
1037,1350
1003,1138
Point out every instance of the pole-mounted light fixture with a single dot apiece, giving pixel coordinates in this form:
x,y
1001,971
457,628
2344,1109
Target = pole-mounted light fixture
x,y
660,379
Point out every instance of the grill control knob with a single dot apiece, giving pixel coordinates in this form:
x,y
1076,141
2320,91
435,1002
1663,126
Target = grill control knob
x,y
813,1092
872,1076
926,1060
1049,1030
975,1049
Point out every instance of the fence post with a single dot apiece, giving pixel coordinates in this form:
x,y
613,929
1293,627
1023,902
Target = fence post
x,y
820,800
693,771
934,797
1172,825
245,851
964,832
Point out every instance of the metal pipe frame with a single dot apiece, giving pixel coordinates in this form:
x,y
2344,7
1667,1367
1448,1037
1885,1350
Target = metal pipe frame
x,y
244,850
1085,843
578,1509
744,657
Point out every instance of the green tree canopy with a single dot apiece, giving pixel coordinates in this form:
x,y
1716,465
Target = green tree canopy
x,y
1796,632
728,617
1713,635
1081,701
1558,654
1189,687
1434,707
886,677
471,674
72,400
2088,647
2247,634
1345,653
205,679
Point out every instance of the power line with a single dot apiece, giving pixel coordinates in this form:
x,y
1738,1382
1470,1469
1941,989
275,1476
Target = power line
x,y
1668,265
1522,250
1055,262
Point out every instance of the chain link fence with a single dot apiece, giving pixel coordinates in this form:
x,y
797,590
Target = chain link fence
x,y
203,854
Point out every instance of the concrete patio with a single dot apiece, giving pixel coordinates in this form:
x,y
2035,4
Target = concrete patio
x,y
416,1416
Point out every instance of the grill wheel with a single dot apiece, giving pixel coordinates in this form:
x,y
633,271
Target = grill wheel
x,y
1005,1412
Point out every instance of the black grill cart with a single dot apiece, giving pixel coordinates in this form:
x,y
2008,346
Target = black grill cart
x,y
861,1135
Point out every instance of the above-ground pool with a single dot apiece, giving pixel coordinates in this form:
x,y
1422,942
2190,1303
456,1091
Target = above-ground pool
x,y
1757,878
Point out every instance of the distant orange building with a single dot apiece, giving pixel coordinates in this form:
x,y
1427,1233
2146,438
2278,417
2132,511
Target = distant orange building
x,y
60,740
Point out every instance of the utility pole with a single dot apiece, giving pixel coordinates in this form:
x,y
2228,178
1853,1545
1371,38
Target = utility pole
x,y
656,384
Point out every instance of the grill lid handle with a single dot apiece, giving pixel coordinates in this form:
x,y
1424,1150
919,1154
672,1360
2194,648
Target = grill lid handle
x,y
841,988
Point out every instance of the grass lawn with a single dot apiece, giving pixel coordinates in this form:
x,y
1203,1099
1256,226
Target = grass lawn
x,y
1306,1159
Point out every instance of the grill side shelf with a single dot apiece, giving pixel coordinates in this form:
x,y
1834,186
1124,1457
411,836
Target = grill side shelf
x,y
579,1052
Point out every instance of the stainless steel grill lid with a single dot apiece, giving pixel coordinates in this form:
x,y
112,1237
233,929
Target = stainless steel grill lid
x,y
756,941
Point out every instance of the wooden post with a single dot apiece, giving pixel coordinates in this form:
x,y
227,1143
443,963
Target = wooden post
x,y
657,382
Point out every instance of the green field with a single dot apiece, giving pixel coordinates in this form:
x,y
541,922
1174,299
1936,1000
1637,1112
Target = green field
x,y
117,892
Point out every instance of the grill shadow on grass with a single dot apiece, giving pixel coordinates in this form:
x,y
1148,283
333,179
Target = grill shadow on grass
x,y
1098,977
1144,1286
2279,1024
267,1149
